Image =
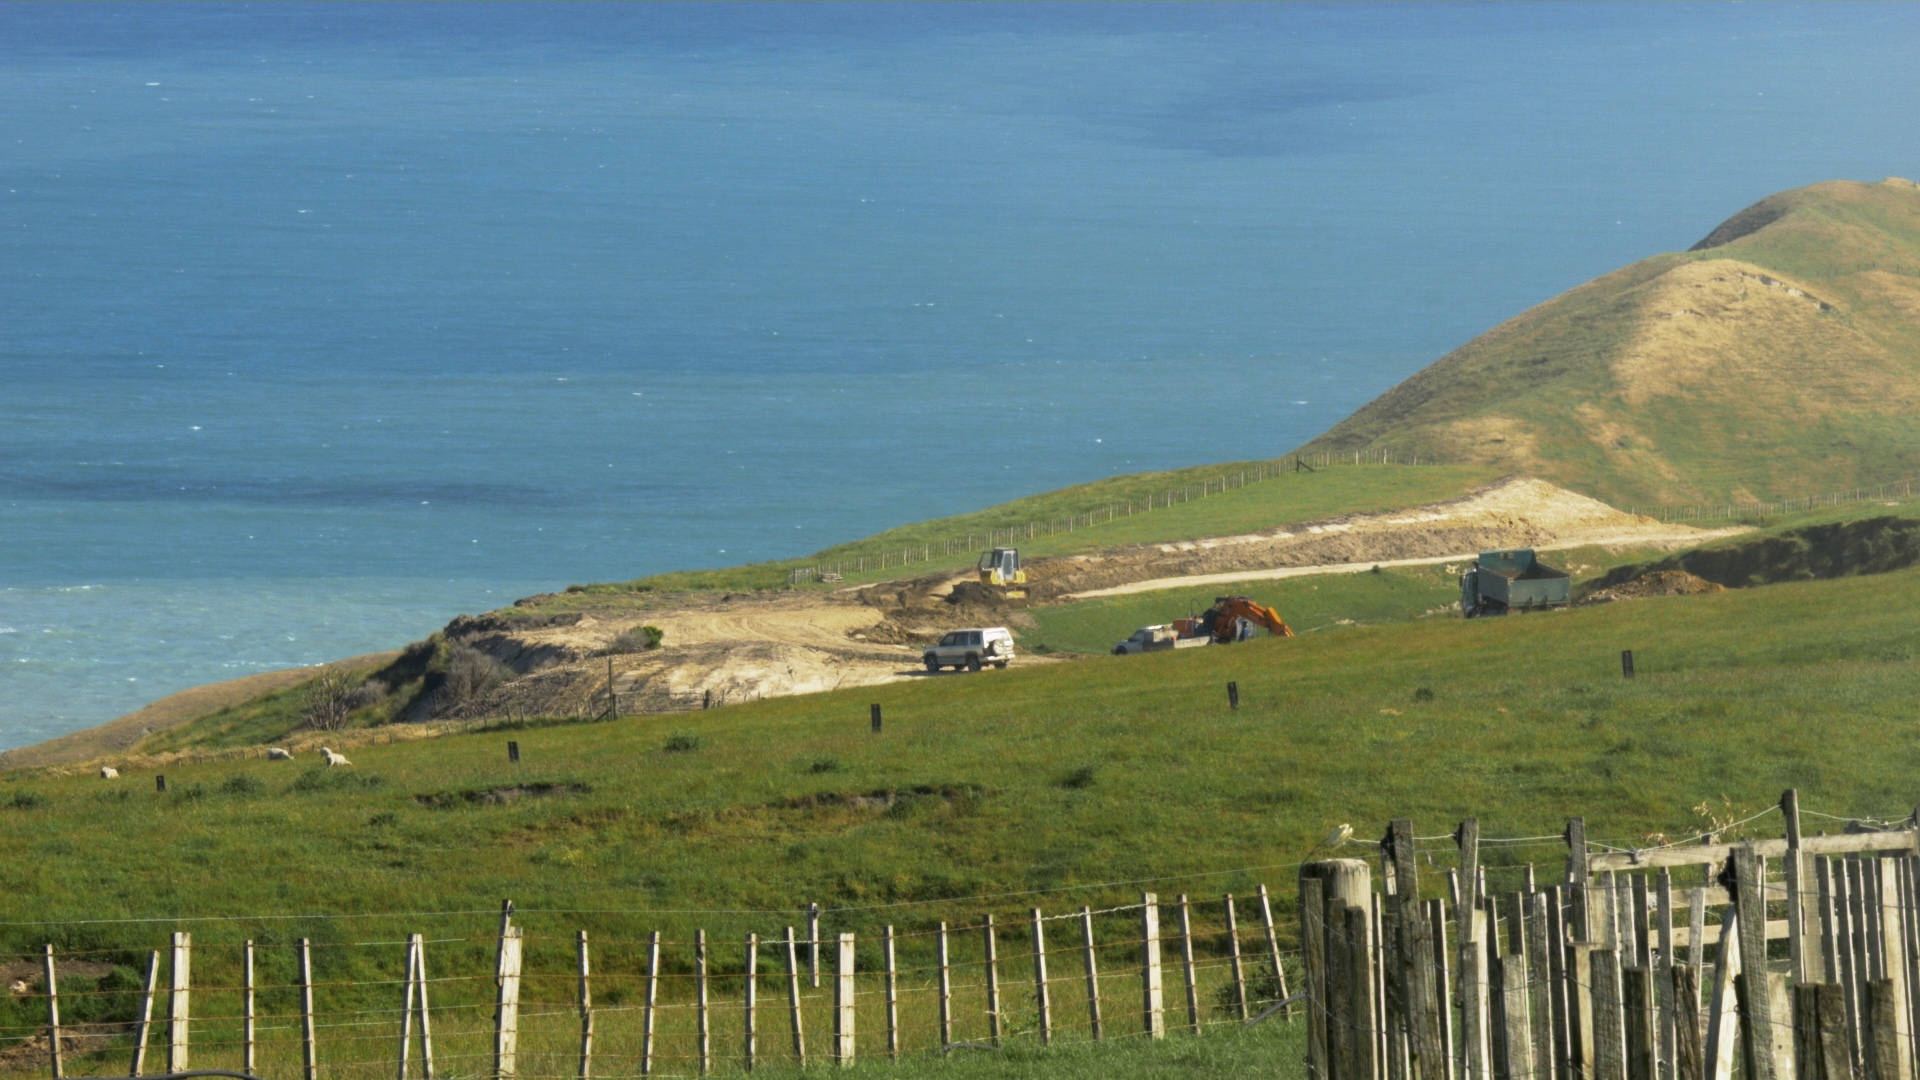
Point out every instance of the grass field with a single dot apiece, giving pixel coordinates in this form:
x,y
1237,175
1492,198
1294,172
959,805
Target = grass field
x,y
985,794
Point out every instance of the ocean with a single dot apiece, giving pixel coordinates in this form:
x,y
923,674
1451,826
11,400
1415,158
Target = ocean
x,y
326,322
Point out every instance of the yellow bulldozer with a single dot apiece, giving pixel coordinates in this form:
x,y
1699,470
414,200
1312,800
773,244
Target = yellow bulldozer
x,y
1000,568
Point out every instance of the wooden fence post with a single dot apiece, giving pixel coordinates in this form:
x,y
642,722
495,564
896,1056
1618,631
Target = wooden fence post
x,y
1436,909
426,1015
53,1013
145,1023
1273,950
247,1005
1894,917
506,1015
702,1022
406,1011
1316,975
1093,972
946,990
793,1000
1413,939
813,943
893,999
1042,1004
1186,966
178,1003
1152,1006
586,1014
1756,1012
993,984
750,996
309,1050
843,1002
1609,1036
649,1011
1472,1055
1233,954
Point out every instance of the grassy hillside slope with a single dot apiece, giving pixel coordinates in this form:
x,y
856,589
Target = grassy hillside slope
x,y
1779,357
1278,499
1104,771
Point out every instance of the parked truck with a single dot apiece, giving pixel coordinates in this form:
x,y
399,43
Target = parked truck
x,y
1500,582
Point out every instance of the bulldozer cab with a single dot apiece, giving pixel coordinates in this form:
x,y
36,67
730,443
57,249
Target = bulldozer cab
x,y
1003,563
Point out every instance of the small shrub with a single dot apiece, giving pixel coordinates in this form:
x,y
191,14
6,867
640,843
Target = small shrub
x,y
193,792
381,821
471,675
1263,989
824,765
1424,693
683,744
26,799
321,778
1081,777
635,639
242,784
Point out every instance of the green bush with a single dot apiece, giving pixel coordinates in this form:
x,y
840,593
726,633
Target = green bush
x,y
242,784
683,744
27,799
635,639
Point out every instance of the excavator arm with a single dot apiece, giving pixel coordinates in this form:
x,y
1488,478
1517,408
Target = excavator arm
x,y
1232,607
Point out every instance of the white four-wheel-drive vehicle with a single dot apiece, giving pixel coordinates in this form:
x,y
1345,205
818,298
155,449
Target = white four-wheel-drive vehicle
x,y
971,649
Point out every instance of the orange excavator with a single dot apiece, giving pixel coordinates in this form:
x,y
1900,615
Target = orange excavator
x,y
1230,619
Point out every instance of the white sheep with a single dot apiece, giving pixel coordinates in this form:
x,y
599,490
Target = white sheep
x,y
333,758
108,772
274,753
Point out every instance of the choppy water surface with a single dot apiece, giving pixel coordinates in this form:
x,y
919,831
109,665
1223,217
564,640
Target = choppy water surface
x,y
325,323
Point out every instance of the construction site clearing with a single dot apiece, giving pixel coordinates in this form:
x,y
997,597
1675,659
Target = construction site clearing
x,y
747,646
723,648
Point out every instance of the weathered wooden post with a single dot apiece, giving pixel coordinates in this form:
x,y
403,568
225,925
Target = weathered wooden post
x,y
309,1050
993,983
506,1013
1042,1002
1093,972
793,999
586,1014
649,1010
1152,1005
144,1026
53,1013
750,995
1413,938
177,1003
1337,946
843,1002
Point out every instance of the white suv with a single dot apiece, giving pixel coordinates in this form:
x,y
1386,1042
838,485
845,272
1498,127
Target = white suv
x,y
972,649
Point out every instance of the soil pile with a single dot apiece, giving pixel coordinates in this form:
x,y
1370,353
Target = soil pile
x,y
1654,583
1873,546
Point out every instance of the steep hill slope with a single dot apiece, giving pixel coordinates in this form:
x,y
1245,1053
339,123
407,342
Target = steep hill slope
x,y
1780,356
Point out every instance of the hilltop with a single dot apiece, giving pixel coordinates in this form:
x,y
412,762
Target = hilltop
x,y
1778,357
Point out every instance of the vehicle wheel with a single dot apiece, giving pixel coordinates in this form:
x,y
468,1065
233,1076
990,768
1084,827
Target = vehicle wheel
x,y
933,665
1001,664
973,663
1118,651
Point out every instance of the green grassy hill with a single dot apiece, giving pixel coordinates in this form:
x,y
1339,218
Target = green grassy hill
x,y
1121,515
1779,357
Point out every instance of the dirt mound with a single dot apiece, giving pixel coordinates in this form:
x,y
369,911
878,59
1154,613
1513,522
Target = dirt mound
x,y
1654,583
1873,546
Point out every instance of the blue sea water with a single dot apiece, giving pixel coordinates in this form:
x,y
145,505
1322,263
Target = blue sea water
x,y
324,323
